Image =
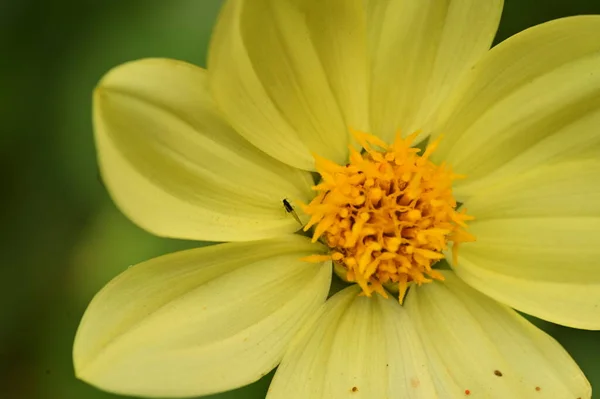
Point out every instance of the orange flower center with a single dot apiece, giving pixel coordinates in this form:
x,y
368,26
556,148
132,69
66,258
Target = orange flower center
x,y
387,216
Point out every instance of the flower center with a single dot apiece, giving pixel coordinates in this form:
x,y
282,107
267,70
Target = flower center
x,y
388,215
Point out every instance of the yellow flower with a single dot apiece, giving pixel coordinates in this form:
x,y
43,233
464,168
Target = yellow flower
x,y
510,172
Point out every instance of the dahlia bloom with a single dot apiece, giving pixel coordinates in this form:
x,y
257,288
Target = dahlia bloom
x,y
446,183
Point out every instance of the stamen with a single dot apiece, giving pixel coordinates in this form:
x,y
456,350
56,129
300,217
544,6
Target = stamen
x,y
388,216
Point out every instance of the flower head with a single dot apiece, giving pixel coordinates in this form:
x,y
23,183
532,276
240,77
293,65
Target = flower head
x,y
388,215
423,141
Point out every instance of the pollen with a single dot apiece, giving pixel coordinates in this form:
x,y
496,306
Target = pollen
x,y
388,215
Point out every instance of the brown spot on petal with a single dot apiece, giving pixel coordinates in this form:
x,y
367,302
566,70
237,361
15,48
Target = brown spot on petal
x,y
467,392
538,389
498,373
414,382
354,389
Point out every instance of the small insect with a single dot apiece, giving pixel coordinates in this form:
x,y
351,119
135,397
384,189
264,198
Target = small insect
x,y
290,209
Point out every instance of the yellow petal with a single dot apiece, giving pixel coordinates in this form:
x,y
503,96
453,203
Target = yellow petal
x,y
554,190
357,347
176,168
544,266
199,321
532,99
419,50
479,346
291,75
538,243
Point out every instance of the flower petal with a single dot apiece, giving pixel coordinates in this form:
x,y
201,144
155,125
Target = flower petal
x,y
291,75
547,267
199,321
176,168
554,190
358,347
532,99
420,49
480,348
538,243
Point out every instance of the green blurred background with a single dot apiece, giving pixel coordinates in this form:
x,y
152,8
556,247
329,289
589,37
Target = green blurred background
x,y
62,238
